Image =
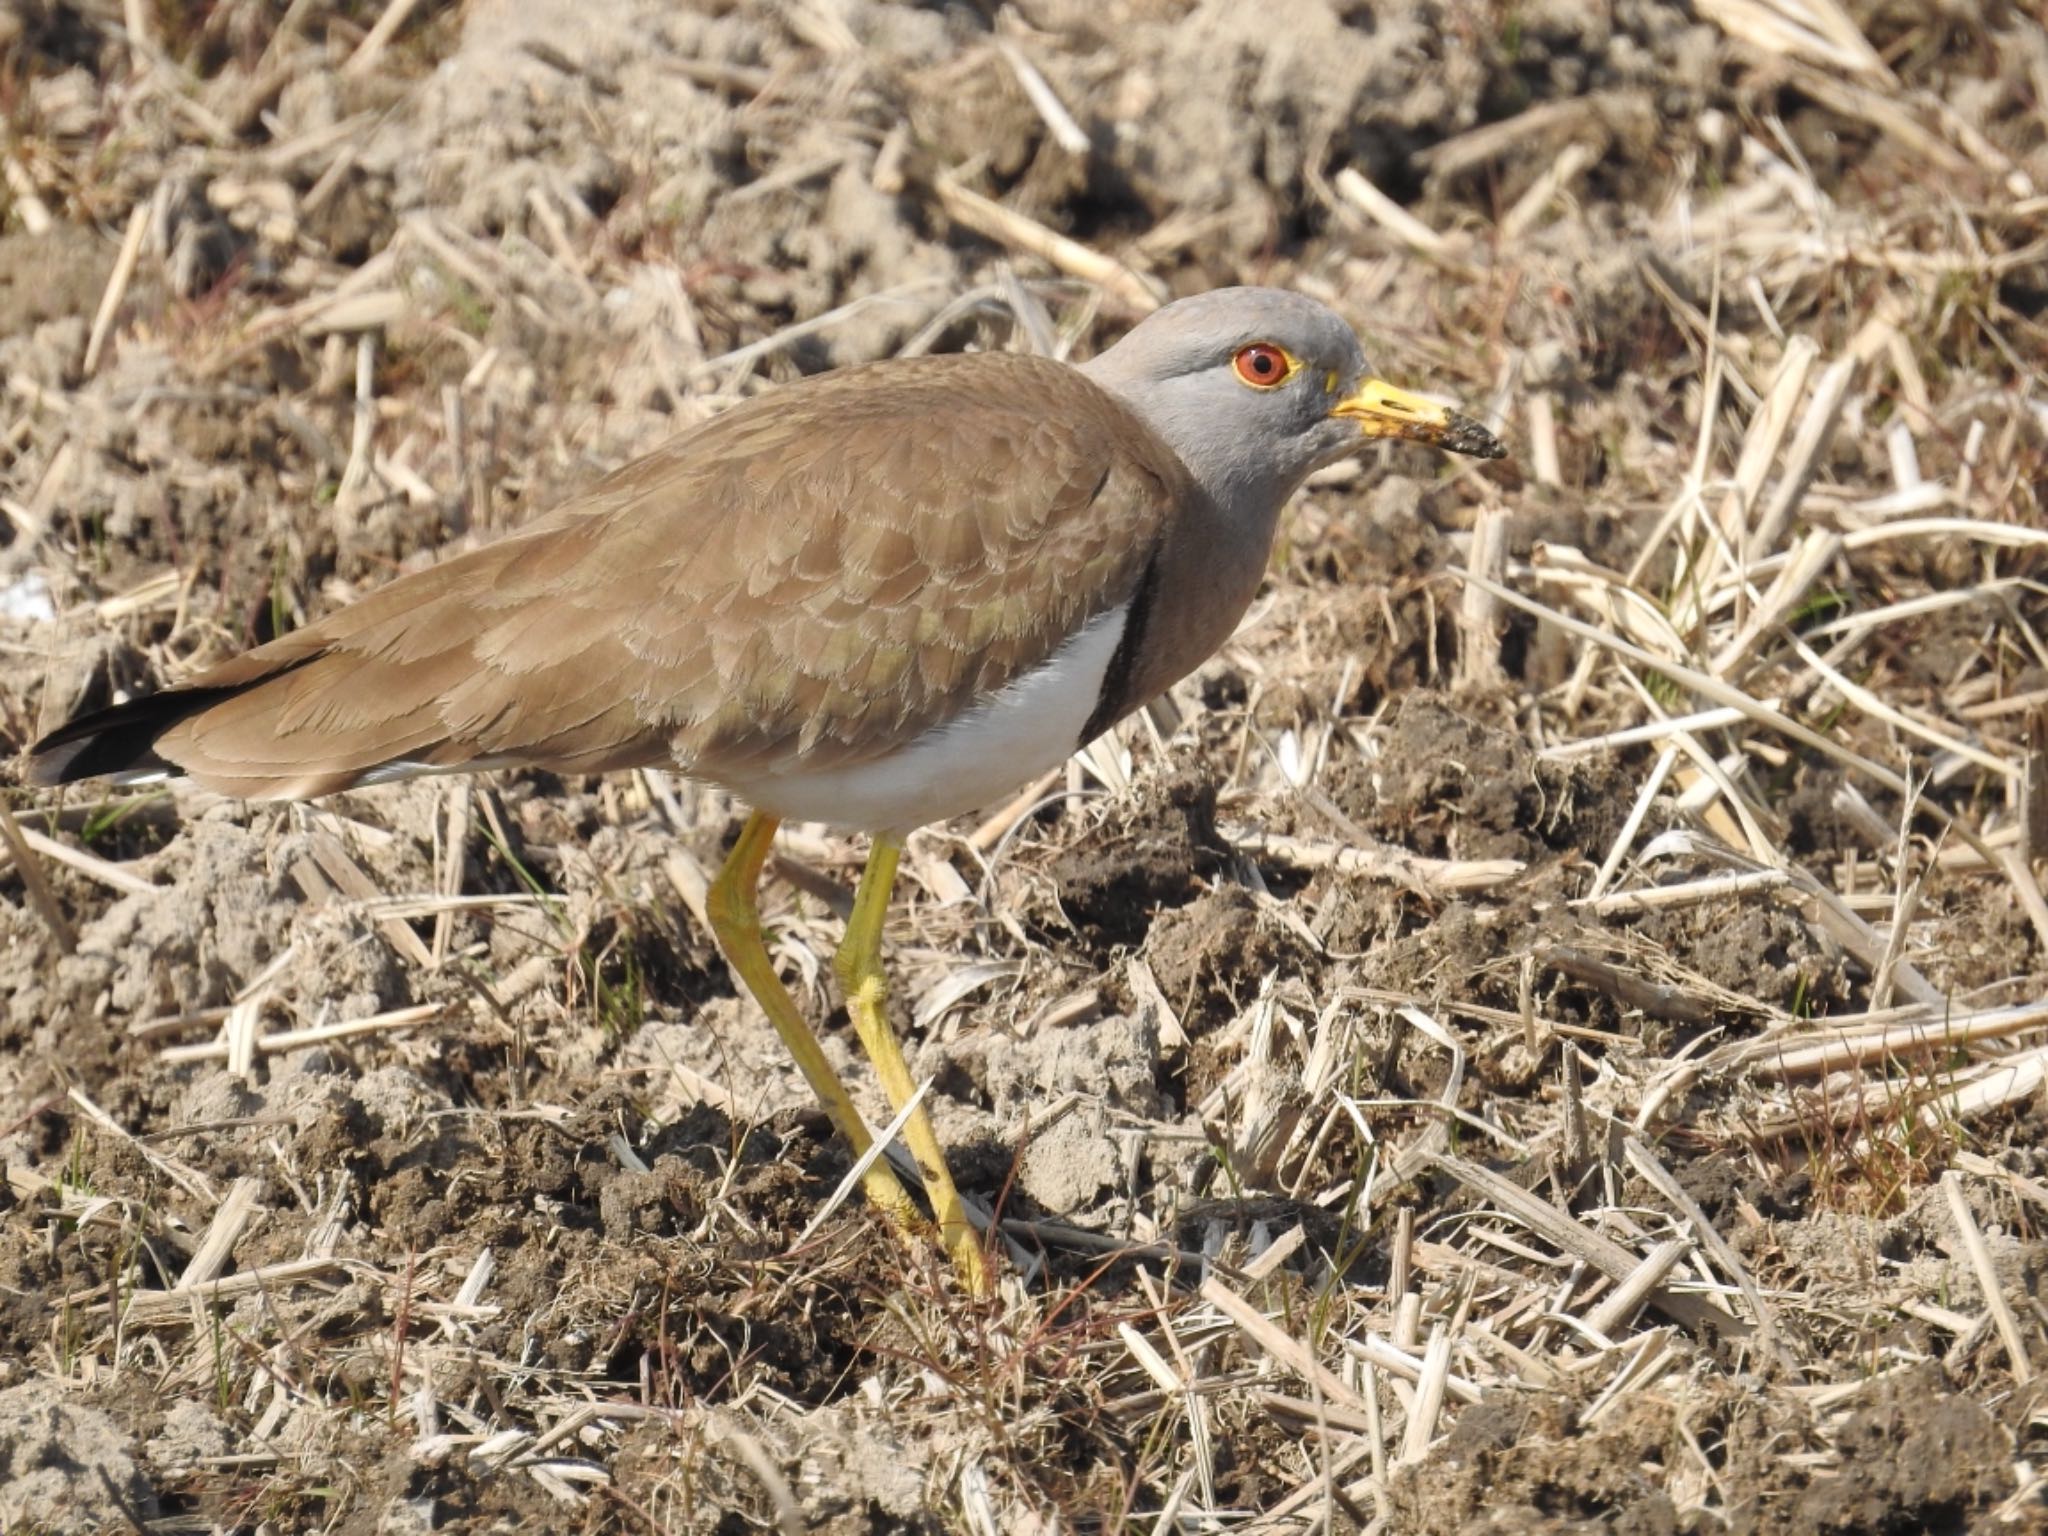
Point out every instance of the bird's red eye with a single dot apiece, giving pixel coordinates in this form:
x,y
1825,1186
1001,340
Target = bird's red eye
x,y
1261,365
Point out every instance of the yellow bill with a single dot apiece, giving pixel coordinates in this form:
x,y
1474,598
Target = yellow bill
x,y
1384,411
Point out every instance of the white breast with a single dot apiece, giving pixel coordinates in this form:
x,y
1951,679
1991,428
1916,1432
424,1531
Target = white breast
x,y
1032,725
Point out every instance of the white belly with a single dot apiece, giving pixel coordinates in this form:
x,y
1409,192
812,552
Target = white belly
x,y
1032,725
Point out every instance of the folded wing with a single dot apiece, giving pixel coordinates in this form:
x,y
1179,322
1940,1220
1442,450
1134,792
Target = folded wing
x,y
815,578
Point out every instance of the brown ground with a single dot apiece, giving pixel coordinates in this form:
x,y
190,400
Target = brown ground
x,y
1298,1036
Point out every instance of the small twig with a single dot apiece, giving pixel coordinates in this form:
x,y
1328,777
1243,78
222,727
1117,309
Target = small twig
x,y
222,1233
1079,1239
1478,618
1718,1248
875,1150
117,286
40,895
35,213
356,474
741,358
1692,893
2026,888
1539,419
990,219
453,856
801,876
1631,992
1626,1299
1391,216
1429,1397
1059,122
1516,223
298,1039
1987,1277
1578,1135
1276,1342
2034,789
1424,876
371,48
1938,1033
1905,907
1625,839
146,1307
1802,459
113,876
334,862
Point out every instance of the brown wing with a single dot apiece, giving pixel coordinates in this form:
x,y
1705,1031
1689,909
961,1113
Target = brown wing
x,y
818,576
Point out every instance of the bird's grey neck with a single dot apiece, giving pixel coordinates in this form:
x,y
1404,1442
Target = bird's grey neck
x,y
1239,474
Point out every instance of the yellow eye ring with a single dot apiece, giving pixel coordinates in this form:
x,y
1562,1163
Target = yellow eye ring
x,y
1262,365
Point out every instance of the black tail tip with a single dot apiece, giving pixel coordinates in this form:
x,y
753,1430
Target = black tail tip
x,y
106,743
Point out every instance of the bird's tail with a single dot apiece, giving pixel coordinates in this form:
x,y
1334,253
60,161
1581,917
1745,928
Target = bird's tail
x,y
218,729
118,742
453,668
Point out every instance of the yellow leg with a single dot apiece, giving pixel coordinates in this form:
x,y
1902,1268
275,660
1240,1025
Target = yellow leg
x,y
859,964
736,923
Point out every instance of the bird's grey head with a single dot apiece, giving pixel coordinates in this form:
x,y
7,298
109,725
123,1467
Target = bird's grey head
x,y
1255,388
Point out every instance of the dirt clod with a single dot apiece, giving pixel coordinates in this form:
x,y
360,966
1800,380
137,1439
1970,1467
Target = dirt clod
x,y
1156,857
65,1466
